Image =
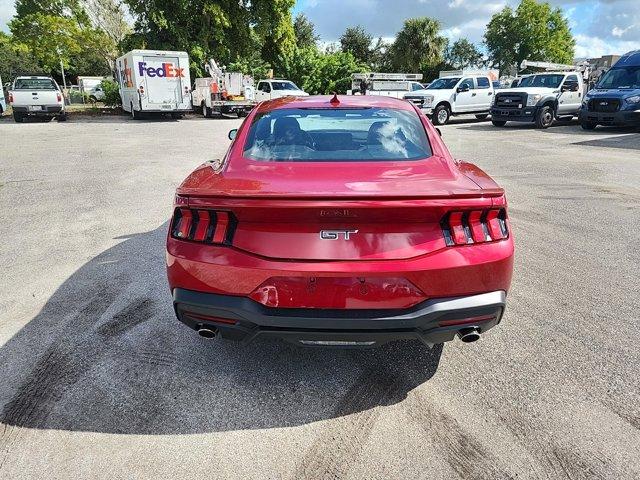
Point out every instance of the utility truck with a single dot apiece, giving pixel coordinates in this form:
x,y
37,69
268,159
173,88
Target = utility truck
x,y
223,92
154,81
541,98
395,85
456,92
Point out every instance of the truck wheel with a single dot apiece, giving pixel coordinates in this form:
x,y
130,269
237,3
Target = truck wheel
x,y
17,117
544,118
588,125
206,111
441,115
242,113
134,115
62,117
176,115
498,123
482,117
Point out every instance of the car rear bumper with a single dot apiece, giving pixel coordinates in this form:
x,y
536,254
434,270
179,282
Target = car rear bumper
x,y
46,110
513,115
432,321
621,118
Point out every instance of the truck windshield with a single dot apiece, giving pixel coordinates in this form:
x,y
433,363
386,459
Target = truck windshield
x,y
444,84
546,81
34,84
284,86
621,77
341,135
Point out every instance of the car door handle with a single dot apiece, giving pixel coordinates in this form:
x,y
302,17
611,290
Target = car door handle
x,y
490,93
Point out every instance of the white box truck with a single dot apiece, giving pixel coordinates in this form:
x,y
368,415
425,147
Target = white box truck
x,y
154,81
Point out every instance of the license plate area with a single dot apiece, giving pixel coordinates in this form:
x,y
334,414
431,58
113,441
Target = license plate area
x,y
35,108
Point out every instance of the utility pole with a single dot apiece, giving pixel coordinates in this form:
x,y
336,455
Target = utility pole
x,y
64,80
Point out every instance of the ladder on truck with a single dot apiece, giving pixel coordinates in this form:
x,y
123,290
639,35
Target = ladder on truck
x,y
402,77
582,68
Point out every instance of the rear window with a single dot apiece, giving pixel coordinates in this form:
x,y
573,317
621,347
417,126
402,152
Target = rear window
x,y
34,84
363,134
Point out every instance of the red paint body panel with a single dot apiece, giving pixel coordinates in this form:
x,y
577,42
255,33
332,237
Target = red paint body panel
x,y
277,257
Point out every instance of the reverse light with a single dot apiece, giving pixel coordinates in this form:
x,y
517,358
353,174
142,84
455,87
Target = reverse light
x,y
474,226
203,226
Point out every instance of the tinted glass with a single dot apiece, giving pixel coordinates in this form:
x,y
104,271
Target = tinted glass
x,y
468,82
444,83
363,134
548,81
483,82
621,77
284,86
34,84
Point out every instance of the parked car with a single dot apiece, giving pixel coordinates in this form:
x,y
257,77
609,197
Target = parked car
x,y
36,96
339,221
615,100
155,82
449,96
275,88
539,98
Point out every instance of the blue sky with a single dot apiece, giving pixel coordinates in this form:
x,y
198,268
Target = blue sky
x,y
600,26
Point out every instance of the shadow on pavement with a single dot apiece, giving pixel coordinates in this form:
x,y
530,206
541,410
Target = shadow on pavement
x,y
105,354
630,142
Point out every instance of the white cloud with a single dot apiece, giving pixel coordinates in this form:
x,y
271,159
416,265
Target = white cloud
x,y
589,47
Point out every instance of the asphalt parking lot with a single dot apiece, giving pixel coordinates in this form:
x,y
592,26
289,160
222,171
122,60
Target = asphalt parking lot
x,y
100,381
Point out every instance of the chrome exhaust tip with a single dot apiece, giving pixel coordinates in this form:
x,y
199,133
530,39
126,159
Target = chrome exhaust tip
x,y
469,335
208,333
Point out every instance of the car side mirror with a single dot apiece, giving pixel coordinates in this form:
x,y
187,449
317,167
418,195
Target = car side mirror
x,y
463,88
233,133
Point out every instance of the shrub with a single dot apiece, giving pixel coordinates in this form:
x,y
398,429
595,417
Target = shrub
x,y
111,93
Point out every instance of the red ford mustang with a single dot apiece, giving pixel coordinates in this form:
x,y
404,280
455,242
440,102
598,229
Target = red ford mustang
x,y
339,221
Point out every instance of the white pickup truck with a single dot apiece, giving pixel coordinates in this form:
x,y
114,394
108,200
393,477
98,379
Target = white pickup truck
x,y
276,88
540,99
455,95
36,96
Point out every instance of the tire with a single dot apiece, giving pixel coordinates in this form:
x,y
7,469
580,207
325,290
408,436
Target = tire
x,y
498,123
62,118
242,114
206,111
17,118
544,117
588,125
441,115
93,99
482,116
176,115
134,115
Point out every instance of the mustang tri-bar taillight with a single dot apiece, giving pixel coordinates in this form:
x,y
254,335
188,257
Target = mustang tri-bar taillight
x,y
204,226
474,226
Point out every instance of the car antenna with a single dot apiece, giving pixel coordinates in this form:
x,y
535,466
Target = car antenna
x,y
335,100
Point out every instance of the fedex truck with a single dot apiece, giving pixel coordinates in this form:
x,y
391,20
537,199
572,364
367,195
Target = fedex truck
x,y
154,81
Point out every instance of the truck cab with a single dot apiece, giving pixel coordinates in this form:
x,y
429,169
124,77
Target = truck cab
x,y
455,95
615,99
36,96
540,98
276,88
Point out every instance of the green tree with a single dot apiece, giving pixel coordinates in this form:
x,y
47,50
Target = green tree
x,y
418,45
305,32
356,41
534,31
463,54
15,59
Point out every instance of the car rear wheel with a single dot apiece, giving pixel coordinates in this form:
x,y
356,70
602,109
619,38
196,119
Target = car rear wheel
x,y
498,123
544,118
588,125
17,118
62,118
441,115
482,117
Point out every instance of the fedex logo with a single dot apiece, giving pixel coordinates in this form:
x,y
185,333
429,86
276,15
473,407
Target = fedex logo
x,y
167,70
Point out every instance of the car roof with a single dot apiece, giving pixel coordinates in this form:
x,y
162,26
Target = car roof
x,y
345,101
629,59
